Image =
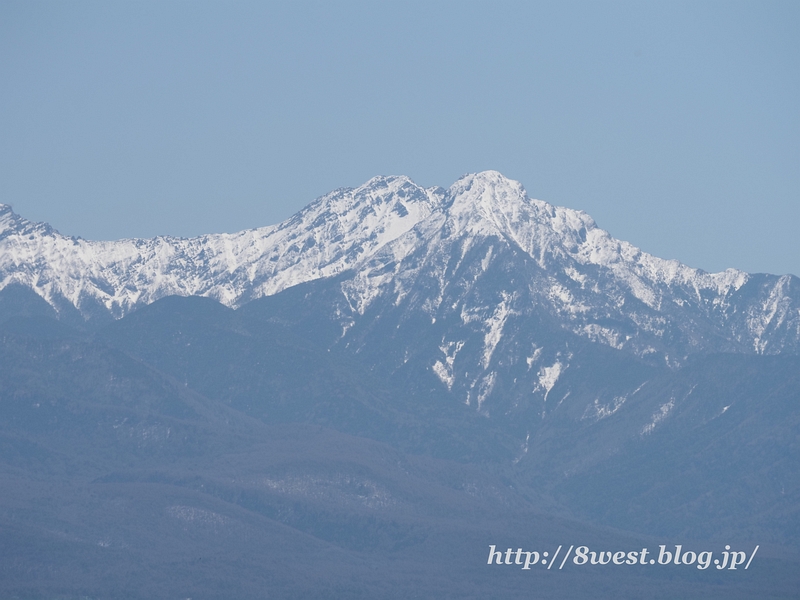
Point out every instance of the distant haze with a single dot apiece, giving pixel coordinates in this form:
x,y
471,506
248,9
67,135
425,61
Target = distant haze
x,y
675,125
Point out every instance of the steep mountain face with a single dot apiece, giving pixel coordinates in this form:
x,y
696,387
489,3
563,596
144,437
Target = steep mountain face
x,y
482,254
593,285
329,236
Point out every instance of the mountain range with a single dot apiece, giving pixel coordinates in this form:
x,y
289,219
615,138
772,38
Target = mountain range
x,y
391,372
390,234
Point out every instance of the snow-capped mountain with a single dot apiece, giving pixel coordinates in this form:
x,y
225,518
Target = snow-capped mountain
x,y
330,235
482,250
467,325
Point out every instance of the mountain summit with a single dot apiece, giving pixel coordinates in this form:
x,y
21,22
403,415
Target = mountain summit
x,y
391,238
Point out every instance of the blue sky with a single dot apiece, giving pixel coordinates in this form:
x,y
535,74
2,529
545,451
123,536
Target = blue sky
x,y
675,125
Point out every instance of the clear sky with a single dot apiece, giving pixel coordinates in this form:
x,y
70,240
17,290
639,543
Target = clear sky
x,y
675,125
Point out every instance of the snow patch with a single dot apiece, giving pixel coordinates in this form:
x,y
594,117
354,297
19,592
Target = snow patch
x,y
485,388
548,376
604,335
597,411
524,448
494,326
531,360
658,417
444,370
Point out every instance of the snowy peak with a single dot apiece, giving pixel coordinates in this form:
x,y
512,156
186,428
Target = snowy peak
x,y
488,203
341,230
365,218
465,259
486,193
12,223
561,238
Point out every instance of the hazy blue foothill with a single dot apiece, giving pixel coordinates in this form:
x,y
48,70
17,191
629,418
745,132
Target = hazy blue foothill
x,y
479,368
115,468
